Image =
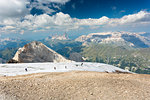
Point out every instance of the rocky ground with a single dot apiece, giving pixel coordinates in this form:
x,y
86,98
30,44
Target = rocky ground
x,y
75,86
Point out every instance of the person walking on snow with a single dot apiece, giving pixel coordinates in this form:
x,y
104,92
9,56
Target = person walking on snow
x,y
81,64
26,69
65,67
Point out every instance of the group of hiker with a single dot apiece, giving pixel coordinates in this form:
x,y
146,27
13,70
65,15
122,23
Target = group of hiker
x,y
66,66
54,67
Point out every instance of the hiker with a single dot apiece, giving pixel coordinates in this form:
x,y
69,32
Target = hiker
x,y
65,67
26,69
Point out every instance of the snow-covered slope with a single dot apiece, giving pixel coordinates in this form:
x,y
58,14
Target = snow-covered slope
x,y
19,69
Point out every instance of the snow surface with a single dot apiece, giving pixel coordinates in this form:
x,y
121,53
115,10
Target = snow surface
x,y
19,69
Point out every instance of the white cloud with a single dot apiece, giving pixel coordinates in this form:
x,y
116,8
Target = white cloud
x,y
8,27
12,8
139,17
18,8
47,5
101,21
15,17
55,1
134,17
15,14
64,22
63,19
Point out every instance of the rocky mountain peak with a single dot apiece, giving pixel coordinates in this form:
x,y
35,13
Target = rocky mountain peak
x,y
37,52
117,38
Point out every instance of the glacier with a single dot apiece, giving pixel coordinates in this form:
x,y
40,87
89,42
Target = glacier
x,y
19,68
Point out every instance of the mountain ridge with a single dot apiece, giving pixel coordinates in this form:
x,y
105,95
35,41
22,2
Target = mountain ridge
x,y
118,38
37,52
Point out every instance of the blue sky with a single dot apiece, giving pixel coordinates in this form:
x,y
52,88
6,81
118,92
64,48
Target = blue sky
x,y
109,8
36,19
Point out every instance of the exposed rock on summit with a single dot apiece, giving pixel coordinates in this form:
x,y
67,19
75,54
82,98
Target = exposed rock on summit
x,y
37,52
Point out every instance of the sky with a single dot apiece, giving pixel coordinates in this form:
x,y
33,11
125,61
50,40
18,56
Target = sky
x,y
36,19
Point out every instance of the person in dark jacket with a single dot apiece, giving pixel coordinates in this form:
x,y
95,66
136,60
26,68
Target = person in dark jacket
x,y
26,69
65,67
81,64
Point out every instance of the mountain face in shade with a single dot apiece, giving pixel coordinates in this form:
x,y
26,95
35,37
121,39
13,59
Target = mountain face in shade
x,y
37,52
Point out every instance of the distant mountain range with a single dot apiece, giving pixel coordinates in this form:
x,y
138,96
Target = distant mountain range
x,y
58,37
123,49
137,40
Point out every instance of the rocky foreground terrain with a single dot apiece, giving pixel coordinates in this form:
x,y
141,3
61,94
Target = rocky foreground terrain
x,y
75,86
